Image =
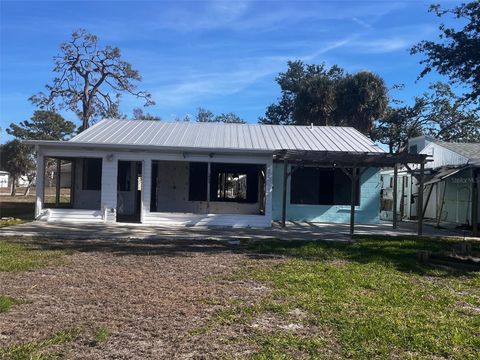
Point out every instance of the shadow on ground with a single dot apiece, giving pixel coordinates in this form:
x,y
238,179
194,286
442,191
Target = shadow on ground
x,y
399,252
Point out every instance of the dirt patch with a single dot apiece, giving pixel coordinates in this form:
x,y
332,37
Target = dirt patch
x,y
149,296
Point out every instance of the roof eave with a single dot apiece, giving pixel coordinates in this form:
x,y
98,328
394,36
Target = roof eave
x,y
144,148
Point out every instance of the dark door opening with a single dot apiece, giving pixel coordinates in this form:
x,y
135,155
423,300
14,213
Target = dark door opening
x,y
129,191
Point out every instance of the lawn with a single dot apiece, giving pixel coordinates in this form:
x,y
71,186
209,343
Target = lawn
x,y
257,300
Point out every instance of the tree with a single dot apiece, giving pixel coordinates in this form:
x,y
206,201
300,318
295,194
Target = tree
x,y
396,127
361,99
204,115
457,55
315,94
138,114
439,113
43,125
90,80
17,159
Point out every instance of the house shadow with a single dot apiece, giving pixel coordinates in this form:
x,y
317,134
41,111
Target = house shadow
x,y
399,252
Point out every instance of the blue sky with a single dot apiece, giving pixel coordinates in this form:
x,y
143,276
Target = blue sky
x,y
221,55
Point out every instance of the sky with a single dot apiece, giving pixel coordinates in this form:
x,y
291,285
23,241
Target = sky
x,y
219,55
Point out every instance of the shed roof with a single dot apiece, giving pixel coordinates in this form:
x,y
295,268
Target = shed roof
x,y
471,151
219,136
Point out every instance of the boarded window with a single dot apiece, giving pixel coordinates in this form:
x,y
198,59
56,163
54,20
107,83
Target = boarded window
x,y
124,178
319,186
197,190
92,174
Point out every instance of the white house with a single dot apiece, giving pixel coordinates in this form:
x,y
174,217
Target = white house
x,y
4,176
186,173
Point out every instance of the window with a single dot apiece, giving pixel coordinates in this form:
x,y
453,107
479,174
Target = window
x,y
197,190
92,174
318,186
413,149
234,182
232,186
124,176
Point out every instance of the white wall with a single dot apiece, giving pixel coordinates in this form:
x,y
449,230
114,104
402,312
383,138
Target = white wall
x,y
4,181
442,156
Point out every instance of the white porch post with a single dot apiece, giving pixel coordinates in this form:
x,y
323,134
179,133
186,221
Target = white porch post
x,y
109,188
268,191
39,183
146,189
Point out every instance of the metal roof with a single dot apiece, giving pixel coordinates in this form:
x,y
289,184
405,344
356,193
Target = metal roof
x,y
220,136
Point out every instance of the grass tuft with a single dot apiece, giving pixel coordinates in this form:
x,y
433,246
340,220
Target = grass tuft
x,y
102,335
6,303
39,350
23,257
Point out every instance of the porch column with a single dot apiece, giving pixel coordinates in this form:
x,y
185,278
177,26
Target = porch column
x,y
353,200
475,202
109,188
268,190
146,189
39,183
420,200
395,200
284,192
57,182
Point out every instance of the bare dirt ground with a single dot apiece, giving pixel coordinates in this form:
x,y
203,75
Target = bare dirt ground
x,y
151,297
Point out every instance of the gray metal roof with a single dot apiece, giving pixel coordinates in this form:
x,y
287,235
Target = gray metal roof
x,y
221,136
469,150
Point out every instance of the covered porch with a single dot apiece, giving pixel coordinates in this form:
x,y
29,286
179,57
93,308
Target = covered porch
x,y
109,185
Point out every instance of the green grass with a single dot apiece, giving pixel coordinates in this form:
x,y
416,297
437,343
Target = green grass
x,y
6,303
10,222
40,350
23,257
102,335
372,298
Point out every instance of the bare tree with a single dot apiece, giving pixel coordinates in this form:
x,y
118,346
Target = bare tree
x,y
90,80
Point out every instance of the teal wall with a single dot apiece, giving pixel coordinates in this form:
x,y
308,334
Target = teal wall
x,y
367,212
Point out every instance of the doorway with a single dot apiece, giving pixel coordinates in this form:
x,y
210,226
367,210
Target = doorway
x,y
129,191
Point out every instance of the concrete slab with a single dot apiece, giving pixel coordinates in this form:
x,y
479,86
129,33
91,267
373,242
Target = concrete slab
x,y
293,231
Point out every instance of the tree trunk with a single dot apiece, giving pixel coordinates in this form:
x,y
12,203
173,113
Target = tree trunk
x,y
14,186
27,190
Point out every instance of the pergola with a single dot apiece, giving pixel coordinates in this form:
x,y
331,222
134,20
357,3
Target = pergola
x,y
358,162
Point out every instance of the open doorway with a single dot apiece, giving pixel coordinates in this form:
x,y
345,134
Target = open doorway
x,y
129,191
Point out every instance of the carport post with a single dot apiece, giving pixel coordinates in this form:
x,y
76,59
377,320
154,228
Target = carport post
x,y
475,185
57,182
353,200
39,183
395,187
420,200
284,194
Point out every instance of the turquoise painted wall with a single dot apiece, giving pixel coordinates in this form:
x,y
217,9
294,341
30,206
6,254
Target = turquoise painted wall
x,y
368,212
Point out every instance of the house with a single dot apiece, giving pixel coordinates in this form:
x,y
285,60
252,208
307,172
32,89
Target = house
x,y
183,173
451,187
4,175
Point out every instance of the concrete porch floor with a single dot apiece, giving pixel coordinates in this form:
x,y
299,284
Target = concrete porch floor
x,y
293,231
